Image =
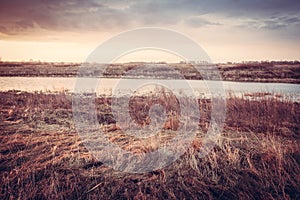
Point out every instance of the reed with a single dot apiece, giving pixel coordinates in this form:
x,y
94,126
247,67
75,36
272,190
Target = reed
x,y
42,156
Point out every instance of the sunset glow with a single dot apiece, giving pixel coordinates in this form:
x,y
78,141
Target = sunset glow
x,y
228,31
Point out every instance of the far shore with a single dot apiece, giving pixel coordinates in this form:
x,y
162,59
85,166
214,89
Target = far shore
x,y
269,71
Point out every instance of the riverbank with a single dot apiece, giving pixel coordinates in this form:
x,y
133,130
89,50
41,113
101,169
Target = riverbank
x,y
42,156
273,72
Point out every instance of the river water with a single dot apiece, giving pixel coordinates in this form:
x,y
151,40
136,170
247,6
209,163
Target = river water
x,y
107,85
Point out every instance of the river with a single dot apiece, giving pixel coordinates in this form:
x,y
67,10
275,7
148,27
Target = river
x,y
106,85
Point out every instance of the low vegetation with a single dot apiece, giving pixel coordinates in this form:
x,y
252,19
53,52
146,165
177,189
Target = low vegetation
x,y
283,72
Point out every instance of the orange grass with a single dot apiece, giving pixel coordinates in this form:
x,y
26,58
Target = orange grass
x,y
42,156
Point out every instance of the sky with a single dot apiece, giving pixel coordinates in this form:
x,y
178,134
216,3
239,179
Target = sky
x,y
228,30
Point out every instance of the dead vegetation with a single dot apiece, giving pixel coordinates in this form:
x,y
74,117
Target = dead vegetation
x,y
276,72
42,156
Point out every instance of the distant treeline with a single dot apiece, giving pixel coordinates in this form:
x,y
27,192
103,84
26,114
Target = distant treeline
x,y
68,64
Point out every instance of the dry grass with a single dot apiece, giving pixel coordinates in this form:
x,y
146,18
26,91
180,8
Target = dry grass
x,y
42,156
281,72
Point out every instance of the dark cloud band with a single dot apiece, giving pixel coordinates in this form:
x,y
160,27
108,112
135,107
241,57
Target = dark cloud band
x,y
20,17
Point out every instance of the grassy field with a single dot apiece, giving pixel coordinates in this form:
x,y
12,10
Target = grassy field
x,y
42,156
284,72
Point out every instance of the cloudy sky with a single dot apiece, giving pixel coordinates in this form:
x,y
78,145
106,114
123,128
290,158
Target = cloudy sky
x,y
228,30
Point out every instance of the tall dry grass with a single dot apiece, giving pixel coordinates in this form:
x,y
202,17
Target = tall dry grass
x,y
42,157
